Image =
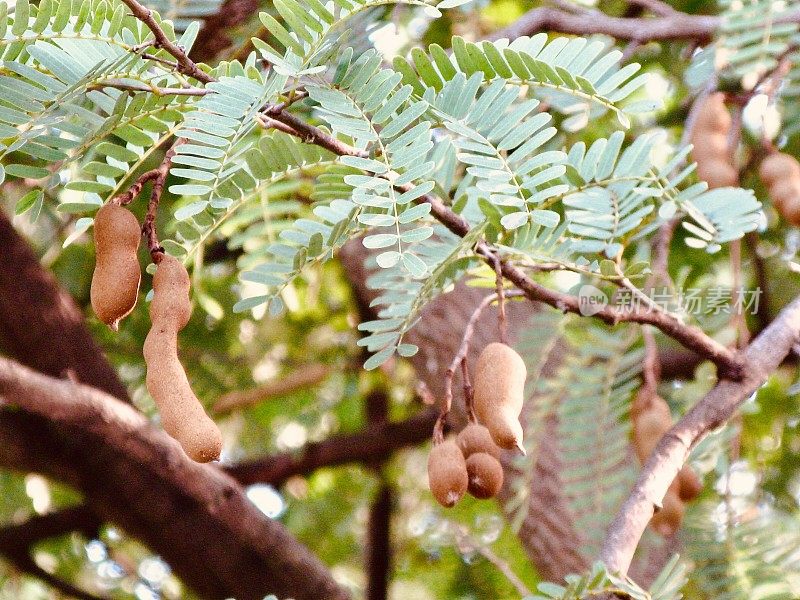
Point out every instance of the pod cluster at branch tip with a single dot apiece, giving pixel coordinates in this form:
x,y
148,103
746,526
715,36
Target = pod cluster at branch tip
x,y
651,419
710,138
780,173
182,415
499,386
117,274
470,462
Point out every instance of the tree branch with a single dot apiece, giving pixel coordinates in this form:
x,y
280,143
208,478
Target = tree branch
x,y
668,27
693,338
374,443
303,377
41,324
379,547
136,476
17,541
761,358
185,64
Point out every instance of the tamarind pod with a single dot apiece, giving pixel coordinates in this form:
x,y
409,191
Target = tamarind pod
x,y
182,415
485,475
171,306
668,520
717,172
712,116
116,277
476,438
778,166
499,388
713,145
783,191
447,473
689,484
649,427
789,209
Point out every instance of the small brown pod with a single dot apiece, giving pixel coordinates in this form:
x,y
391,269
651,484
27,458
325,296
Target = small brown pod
x,y
485,475
689,484
116,277
717,172
712,116
182,415
790,210
649,427
710,143
778,166
499,388
447,473
476,438
667,521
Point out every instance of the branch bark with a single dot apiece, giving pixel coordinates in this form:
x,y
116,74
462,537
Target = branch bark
x,y
375,443
675,26
761,358
41,324
17,541
379,549
185,64
135,475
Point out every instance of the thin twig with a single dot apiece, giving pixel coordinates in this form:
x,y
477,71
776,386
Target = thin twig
x,y
501,301
135,189
469,398
119,84
728,364
185,64
310,134
149,225
458,359
463,538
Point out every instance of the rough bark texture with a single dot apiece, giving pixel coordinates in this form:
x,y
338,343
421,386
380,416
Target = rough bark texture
x,y
377,442
135,475
40,323
131,474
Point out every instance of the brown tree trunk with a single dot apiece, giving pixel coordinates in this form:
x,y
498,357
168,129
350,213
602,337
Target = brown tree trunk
x,y
40,323
194,516
132,474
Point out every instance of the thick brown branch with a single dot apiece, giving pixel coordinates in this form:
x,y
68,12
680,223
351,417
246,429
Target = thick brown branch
x,y
379,548
304,377
17,541
693,338
41,324
761,358
185,64
671,27
136,476
374,443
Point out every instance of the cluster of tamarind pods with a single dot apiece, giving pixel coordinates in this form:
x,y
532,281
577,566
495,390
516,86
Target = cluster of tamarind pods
x,y
778,171
470,462
651,419
114,292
